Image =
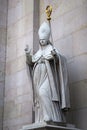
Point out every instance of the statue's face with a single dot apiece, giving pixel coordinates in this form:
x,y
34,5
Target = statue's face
x,y
43,42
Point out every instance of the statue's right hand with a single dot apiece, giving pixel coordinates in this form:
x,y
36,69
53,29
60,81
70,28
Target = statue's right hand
x,y
26,48
28,55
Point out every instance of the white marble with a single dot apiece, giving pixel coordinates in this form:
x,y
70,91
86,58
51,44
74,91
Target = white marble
x,y
50,82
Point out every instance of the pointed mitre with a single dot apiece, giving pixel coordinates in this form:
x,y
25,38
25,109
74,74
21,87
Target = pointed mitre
x,y
44,31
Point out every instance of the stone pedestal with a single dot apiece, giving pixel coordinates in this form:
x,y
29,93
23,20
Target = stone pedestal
x,y
49,126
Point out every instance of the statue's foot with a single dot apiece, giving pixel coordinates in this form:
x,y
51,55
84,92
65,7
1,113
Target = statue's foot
x,y
47,118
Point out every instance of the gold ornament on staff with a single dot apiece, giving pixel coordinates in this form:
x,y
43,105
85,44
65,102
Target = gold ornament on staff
x,y
48,12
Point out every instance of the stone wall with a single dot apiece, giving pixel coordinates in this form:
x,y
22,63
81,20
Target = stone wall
x,y
69,28
18,91
3,30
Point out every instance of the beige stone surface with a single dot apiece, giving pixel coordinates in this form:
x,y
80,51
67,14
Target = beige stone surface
x,y
16,127
2,45
20,9
13,3
60,7
80,118
58,25
1,90
2,35
21,27
10,81
66,6
25,89
11,52
10,110
22,42
75,20
18,90
16,65
10,94
1,108
2,76
80,42
18,121
16,47
26,109
65,46
77,68
78,92
3,6
3,20
17,80
23,98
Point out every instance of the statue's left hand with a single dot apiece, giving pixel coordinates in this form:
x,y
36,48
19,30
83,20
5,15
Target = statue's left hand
x,y
53,52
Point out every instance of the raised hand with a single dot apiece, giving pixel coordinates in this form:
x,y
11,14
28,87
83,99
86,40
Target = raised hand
x,y
27,50
28,55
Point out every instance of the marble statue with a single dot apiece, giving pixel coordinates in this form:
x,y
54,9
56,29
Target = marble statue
x,y
50,80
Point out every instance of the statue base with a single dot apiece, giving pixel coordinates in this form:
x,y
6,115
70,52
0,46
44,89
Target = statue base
x,y
49,126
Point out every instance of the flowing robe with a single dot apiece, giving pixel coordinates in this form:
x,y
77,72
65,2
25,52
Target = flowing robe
x,y
50,82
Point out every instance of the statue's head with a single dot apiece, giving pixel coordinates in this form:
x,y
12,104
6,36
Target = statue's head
x,y
44,33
